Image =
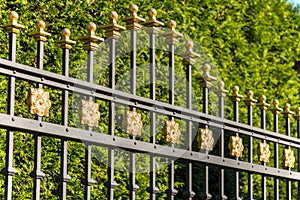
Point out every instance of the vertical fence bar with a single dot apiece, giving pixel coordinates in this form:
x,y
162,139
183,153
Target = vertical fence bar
x,y
276,111
171,40
152,29
206,84
236,98
112,34
287,115
188,61
221,92
250,102
90,44
263,107
132,24
297,117
65,44
37,174
13,28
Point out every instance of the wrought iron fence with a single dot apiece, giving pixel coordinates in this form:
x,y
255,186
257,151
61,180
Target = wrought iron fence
x,y
228,148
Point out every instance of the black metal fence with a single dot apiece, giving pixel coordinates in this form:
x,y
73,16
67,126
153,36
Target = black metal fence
x,y
222,152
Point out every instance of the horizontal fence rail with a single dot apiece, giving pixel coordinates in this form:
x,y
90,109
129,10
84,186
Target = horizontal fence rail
x,y
213,144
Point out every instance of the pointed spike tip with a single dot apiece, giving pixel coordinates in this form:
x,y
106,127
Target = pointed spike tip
x,y
13,16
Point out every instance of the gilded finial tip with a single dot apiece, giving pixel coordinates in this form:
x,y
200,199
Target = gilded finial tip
x,y
113,15
287,106
236,89
206,68
298,110
133,8
66,32
250,93
189,44
40,24
221,84
263,98
91,27
152,12
276,102
172,24
13,15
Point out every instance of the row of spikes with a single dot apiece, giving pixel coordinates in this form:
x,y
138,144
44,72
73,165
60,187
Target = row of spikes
x,y
112,30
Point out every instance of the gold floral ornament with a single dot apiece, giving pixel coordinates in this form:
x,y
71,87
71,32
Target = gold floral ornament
x,y
90,114
289,158
39,102
205,139
134,123
264,151
236,146
172,131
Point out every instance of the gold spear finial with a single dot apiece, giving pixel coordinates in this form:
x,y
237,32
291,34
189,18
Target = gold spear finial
x,y
152,24
275,109
13,26
91,40
65,42
133,22
206,77
250,100
287,111
297,114
236,96
113,29
221,92
189,56
41,34
263,105
172,34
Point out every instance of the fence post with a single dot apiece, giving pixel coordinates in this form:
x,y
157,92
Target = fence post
x,y
13,28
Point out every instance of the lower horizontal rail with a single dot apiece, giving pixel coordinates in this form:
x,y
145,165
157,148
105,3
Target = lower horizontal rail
x,y
76,134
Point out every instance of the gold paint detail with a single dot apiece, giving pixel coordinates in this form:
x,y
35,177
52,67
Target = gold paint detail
x,y
113,29
236,96
172,132
39,102
90,40
89,113
172,35
189,56
236,146
264,152
13,26
221,92
250,100
263,105
41,34
297,114
206,77
65,42
152,23
133,22
289,158
287,111
205,139
134,124
275,109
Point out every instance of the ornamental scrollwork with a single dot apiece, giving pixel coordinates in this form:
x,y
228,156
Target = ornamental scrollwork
x,y
289,158
172,132
134,124
39,102
264,152
236,146
90,114
205,139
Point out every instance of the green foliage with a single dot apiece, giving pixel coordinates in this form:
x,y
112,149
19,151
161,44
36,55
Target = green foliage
x,y
252,44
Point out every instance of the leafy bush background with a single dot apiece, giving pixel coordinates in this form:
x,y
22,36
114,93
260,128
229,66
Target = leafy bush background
x,y
252,43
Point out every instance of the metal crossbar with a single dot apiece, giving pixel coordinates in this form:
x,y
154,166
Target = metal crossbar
x,y
224,159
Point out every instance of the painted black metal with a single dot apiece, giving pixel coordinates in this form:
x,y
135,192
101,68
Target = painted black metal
x,y
250,153
264,178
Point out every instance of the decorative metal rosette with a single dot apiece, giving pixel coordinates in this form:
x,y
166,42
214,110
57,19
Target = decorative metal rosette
x,y
134,123
236,146
205,139
39,102
289,158
264,152
90,114
172,132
